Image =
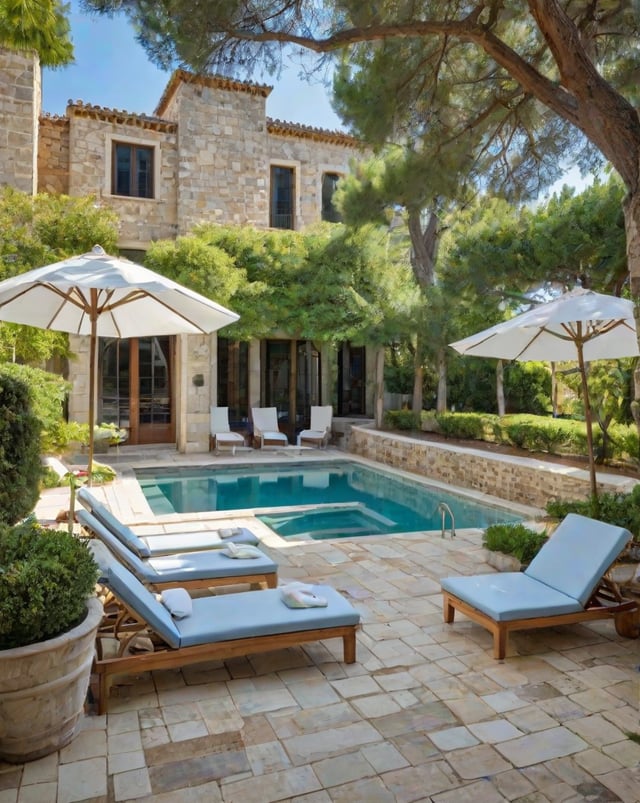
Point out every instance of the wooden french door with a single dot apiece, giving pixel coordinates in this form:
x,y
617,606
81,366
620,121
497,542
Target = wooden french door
x,y
136,387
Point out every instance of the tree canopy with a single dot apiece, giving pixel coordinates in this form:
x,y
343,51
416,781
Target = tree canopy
x,y
40,25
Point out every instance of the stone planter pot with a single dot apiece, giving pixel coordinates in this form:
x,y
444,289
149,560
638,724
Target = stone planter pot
x,y
501,561
43,688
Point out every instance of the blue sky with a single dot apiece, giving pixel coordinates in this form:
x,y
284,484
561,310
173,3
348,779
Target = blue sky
x,y
111,69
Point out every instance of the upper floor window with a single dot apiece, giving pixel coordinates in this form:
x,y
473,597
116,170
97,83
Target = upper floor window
x,y
329,184
132,170
282,197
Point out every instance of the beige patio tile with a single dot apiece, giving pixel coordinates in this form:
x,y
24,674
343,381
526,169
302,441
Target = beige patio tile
x,y
624,783
471,793
477,762
38,793
542,746
323,744
596,730
131,785
383,756
275,786
419,782
81,780
595,762
513,785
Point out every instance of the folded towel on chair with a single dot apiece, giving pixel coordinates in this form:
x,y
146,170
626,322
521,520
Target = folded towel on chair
x,y
241,551
301,595
177,601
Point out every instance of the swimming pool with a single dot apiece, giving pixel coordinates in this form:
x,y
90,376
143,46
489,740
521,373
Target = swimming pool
x,y
319,500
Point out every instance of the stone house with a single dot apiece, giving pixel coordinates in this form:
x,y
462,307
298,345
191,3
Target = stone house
x,y
208,153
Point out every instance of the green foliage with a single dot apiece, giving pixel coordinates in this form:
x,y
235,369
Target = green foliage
x,y
620,509
48,393
36,231
464,425
400,419
20,467
36,25
45,578
514,539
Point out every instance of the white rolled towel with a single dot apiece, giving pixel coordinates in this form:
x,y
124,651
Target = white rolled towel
x,y
241,551
301,595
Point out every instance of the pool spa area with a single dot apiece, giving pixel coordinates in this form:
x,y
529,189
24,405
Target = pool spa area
x,y
319,500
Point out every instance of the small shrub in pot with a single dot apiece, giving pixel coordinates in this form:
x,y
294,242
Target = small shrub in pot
x,y
514,539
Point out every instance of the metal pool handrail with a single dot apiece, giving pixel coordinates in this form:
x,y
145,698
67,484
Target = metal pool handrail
x,y
444,508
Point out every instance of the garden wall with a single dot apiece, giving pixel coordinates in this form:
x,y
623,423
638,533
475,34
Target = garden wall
x,y
525,480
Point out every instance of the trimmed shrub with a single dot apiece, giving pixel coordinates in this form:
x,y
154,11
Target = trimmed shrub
x,y
45,578
20,467
620,509
514,539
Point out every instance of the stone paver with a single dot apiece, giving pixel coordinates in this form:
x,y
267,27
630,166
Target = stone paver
x,y
425,714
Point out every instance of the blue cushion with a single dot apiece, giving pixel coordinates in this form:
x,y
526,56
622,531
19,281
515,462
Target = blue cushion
x,y
164,544
123,553
106,517
260,613
505,596
140,600
577,555
178,567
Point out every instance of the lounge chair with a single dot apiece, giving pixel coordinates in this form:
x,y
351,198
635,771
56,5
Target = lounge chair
x,y
265,427
218,627
192,570
565,583
319,430
221,435
156,544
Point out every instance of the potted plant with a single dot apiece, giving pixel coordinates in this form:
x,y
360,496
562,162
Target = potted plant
x,y
49,616
511,547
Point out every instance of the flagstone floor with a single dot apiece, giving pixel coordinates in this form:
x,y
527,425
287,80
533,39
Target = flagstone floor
x,y
425,714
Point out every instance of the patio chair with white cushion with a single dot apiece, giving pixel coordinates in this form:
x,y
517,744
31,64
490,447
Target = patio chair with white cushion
x,y
319,430
221,435
265,427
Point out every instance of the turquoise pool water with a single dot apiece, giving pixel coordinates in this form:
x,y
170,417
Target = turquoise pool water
x,y
331,499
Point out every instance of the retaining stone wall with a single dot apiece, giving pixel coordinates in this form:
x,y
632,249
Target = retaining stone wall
x,y
523,480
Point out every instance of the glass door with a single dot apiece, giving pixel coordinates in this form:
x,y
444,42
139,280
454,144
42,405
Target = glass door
x,y
136,387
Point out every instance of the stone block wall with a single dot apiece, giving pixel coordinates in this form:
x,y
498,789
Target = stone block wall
x,y
523,480
92,132
20,106
53,156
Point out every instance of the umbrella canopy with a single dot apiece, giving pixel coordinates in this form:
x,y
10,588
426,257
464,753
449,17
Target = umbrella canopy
x,y
104,296
577,326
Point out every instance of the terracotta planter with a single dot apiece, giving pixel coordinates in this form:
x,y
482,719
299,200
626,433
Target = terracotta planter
x,y
43,688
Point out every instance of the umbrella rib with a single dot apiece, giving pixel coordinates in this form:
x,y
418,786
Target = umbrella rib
x,y
137,294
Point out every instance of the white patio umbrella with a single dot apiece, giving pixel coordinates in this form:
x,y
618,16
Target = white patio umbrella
x,y
579,325
104,296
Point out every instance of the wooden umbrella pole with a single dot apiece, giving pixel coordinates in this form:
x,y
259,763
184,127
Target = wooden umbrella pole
x,y
93,344
587,416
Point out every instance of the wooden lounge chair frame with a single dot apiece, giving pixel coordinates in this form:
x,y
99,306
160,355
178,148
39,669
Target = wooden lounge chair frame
x,y
127,625
120,553
567,582
606,603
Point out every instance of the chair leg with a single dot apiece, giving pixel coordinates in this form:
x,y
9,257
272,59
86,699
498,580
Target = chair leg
x,y
349,647
500,635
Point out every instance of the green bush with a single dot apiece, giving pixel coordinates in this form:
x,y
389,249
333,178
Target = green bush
x,y
514,539
401,419
20,467
45,578
464,425
48,393
620,509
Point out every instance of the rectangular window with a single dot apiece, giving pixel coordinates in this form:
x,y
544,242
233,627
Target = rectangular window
x,y
132,170
282,198
329,184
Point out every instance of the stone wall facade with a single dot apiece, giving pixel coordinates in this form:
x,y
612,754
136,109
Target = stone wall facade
x,y
20,107
213,148
522,480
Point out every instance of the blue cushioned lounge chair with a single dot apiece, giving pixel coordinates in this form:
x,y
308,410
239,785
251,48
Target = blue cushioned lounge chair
x,y
189,569
565,583
149,546
218,627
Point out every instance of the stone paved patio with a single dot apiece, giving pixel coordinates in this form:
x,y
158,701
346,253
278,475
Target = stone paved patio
x,y
425,714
